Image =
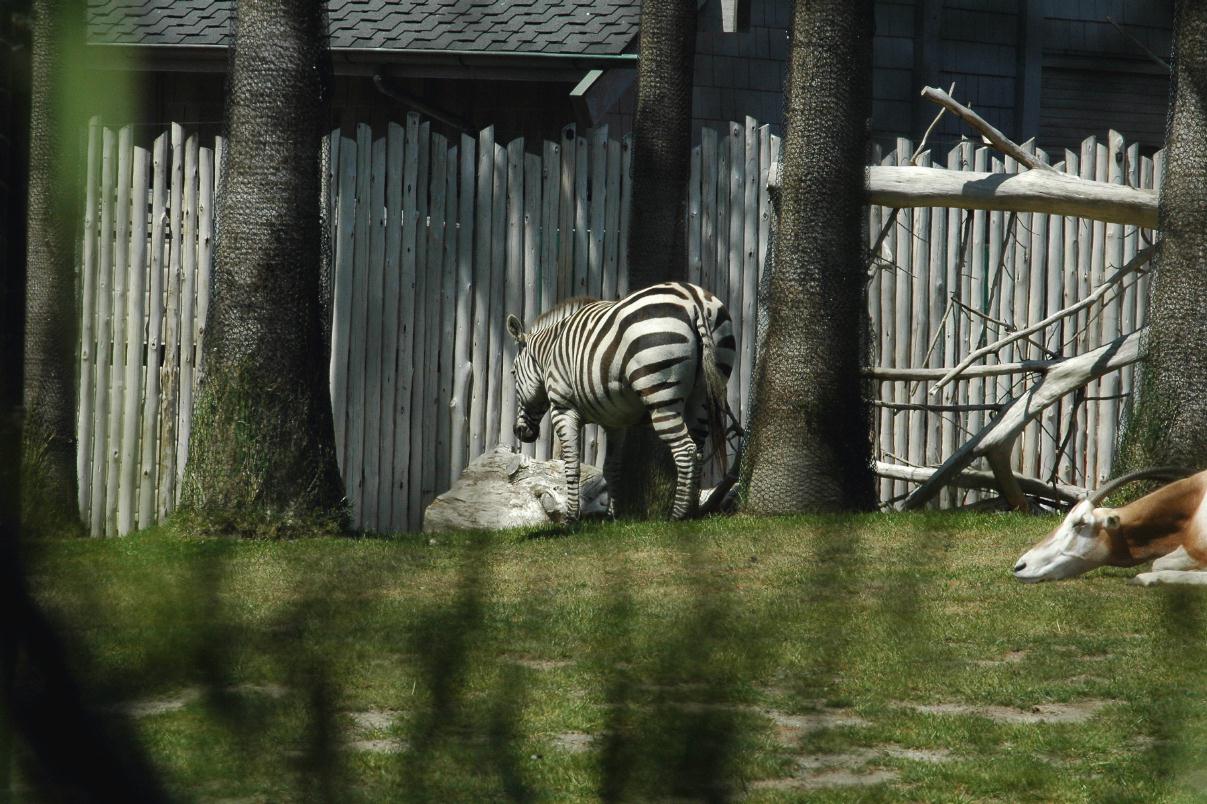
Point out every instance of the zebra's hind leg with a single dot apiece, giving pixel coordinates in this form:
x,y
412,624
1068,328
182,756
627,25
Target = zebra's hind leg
x,y
611,465
566,425
671,428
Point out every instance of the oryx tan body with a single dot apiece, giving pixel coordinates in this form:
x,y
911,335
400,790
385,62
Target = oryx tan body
x,y
1168,526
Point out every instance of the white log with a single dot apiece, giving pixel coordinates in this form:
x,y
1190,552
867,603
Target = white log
x,y
972,372
169,409
397,298
117,376
433,287
1033,191
480,336
380,352
155,316
354,435
104,334
981,479
341,303
88,346
412,492
448,322
188,308
136,268
464,313
530,256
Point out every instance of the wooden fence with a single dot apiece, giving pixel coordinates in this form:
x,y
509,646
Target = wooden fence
x,y
434,242
947,280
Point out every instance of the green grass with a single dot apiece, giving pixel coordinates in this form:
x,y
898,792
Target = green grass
x,y
639,662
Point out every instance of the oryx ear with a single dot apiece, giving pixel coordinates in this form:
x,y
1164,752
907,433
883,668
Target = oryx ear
x,y
516,328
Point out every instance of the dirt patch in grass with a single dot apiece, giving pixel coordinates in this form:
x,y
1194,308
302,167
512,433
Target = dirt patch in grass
x,y
854,768
1076,712
373,719
830,778
790,728
149,707
174,702
269,690
540,664
380,746
574,742
1011,657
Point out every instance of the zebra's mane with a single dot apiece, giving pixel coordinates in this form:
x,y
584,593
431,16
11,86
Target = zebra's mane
x,y
559,312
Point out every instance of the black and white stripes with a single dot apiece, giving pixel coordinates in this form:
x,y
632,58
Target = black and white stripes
x,y
662,355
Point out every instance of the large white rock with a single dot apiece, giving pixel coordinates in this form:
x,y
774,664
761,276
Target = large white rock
x,y
504,489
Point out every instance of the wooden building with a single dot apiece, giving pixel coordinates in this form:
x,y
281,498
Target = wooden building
x,y
1051,69
1056,70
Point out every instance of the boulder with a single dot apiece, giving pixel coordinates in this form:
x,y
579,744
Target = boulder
x,y
504,489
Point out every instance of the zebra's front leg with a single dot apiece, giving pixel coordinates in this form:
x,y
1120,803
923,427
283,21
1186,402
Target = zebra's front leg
x,y
612,464
671,428
566,425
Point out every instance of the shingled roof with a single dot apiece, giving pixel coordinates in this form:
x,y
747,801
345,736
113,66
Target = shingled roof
x,y
549,27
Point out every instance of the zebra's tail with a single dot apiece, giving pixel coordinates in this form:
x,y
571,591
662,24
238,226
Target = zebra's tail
x,y
714,384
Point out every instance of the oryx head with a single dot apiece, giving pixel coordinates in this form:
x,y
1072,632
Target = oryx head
x,y
1091,536
1081,543
529,385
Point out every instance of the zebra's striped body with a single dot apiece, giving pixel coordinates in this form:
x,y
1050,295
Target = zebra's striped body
x,y
662,355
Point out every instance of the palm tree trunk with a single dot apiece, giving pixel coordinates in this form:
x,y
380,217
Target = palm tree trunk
x,y
810,446
1169,422
262,454
50,490
657,232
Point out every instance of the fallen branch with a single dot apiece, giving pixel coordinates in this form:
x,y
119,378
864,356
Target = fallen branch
x,y
900,406
1132,265
1031,191
981,479
995,138
974,372
998,436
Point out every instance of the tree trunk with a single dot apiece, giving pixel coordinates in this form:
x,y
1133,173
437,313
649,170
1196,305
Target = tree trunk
x,y
262,455
810,445
657,247
1169,423
50,501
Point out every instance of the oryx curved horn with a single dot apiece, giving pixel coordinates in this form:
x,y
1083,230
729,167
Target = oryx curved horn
x,y
1167,473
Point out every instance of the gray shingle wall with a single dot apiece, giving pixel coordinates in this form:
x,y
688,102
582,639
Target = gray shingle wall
x,y
742,74
892,68
736,74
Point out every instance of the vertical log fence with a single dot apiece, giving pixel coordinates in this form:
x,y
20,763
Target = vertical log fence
x,y
434,241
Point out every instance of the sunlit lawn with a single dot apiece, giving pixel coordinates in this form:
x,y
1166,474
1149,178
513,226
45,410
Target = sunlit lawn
x,y
878,658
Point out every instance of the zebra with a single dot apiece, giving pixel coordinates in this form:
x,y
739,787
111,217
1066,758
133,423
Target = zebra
x,y
662,354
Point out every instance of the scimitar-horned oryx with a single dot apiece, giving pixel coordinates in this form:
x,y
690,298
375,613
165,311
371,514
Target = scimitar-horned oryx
x,y
1167,527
